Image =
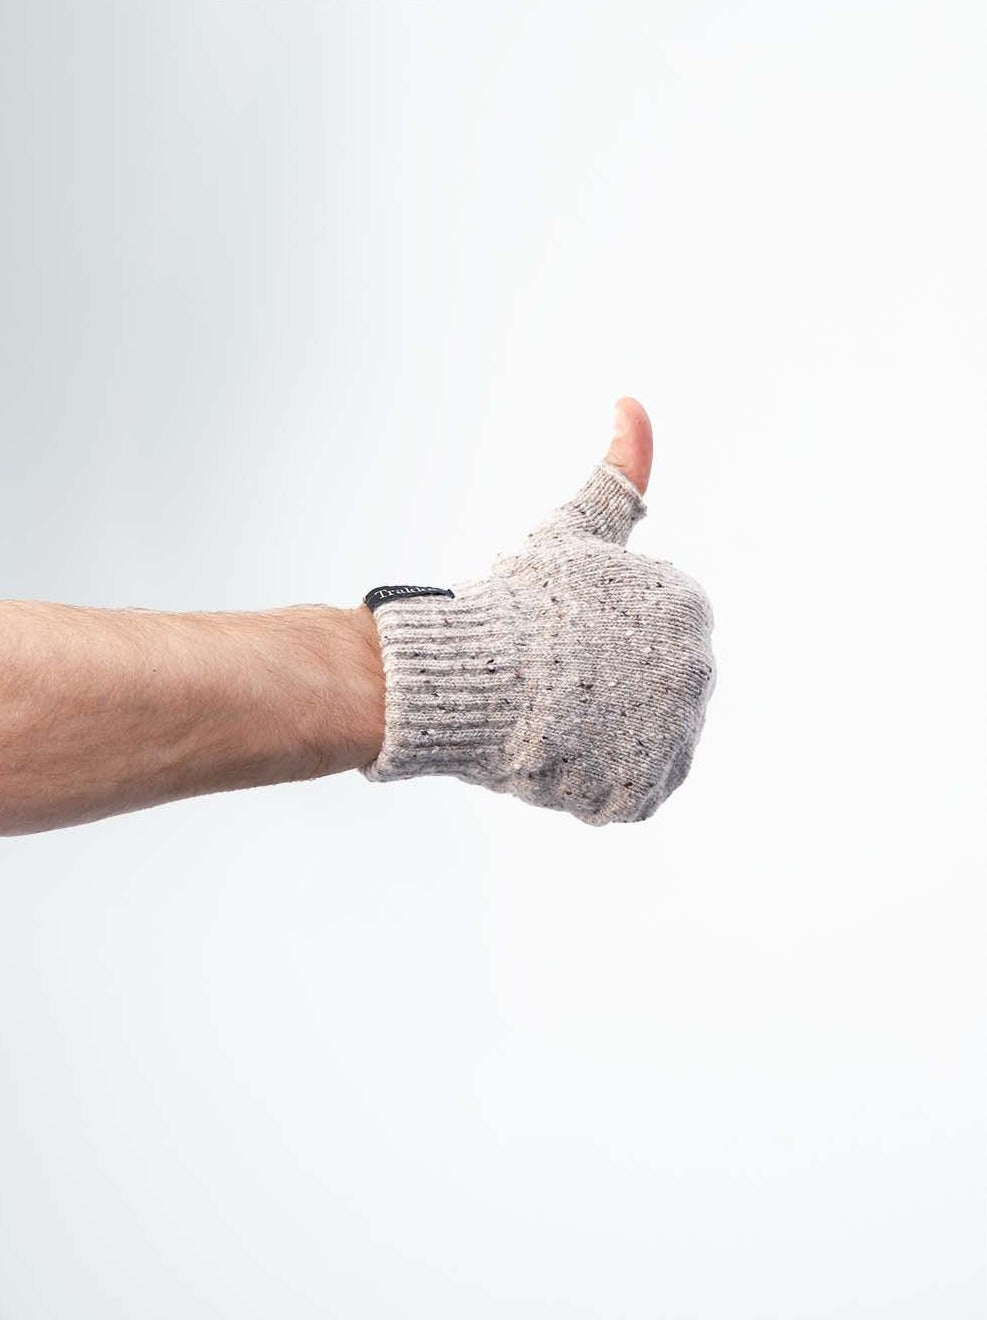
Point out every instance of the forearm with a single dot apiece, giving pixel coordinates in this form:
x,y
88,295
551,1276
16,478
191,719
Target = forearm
x,y
107,711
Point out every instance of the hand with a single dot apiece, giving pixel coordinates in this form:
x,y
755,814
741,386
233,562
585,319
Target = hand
x,y
576,676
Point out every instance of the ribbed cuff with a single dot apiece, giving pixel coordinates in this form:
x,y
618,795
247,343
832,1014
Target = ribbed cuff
x,y
452,684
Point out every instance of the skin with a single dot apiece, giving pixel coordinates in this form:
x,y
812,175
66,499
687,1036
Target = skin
x,y
109,711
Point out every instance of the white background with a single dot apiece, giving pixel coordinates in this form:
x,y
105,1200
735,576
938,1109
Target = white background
x,y
297,298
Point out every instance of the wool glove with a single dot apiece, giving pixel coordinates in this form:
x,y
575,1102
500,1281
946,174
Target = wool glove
x,y
575,676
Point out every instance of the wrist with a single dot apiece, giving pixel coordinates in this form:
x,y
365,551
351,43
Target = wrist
x,y
337,720
366,682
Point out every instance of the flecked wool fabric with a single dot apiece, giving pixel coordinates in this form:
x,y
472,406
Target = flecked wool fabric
x,y
576,676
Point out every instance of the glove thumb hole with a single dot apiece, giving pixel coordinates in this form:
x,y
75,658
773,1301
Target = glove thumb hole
x,y
607,507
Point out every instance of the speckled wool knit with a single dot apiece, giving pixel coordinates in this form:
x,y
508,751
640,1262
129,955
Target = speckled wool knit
x,y
576,676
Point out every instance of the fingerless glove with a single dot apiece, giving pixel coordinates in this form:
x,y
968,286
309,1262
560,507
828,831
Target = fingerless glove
x,y
576,676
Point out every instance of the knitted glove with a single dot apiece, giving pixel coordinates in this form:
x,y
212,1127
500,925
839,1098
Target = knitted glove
x,y
576,676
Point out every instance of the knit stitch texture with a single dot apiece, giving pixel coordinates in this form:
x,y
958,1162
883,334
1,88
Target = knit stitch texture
x,y
576,676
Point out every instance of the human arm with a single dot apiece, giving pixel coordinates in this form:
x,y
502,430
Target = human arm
x,y
105,711
575,676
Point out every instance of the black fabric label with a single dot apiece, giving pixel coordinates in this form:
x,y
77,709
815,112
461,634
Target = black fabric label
x,y
381,594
